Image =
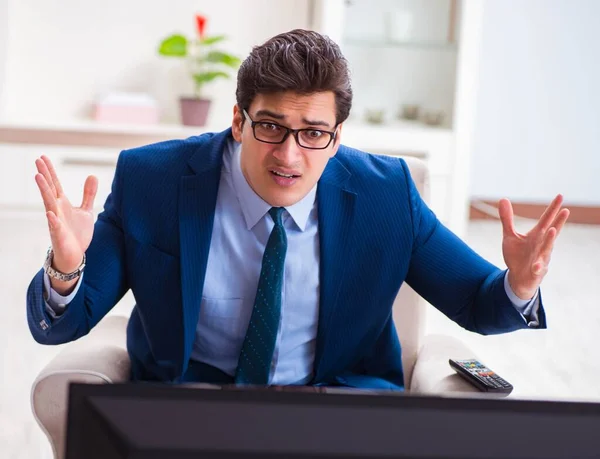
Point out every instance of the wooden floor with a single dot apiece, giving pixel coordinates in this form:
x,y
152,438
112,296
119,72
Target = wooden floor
x,y
562,362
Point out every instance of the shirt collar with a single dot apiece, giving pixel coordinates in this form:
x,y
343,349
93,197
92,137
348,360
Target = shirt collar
x,y
253,206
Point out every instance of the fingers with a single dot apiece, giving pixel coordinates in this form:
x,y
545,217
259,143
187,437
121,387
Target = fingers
x,y
89,193
48,195
541,265
540,269
549,214
54,225
560,220
52,171
505,211
42,168
548,241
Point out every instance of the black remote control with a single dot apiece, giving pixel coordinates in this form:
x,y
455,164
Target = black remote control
x,y
481,376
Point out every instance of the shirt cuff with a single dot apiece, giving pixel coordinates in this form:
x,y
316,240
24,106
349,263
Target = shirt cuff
x,y
527,308
55,302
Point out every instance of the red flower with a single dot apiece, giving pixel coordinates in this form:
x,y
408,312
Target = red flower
x,y
200,24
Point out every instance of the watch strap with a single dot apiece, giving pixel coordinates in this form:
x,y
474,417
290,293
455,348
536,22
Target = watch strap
x,y
55,274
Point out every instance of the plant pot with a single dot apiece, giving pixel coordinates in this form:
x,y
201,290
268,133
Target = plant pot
x,y
194,111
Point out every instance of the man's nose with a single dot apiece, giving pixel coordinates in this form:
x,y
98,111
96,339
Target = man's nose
x,y
288,152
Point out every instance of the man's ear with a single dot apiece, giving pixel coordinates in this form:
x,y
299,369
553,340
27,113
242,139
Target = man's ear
x,y
236,124
337,141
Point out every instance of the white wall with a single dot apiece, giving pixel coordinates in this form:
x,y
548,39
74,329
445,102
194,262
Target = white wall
x,y
538,112
4,11
63,52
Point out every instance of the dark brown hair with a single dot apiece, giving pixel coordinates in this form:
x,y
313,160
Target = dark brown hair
x,y
302,61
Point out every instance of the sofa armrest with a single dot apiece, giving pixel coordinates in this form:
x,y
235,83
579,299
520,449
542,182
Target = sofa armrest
x,y
432,373
100,357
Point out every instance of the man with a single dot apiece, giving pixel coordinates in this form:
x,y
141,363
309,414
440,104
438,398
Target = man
x,y
269,253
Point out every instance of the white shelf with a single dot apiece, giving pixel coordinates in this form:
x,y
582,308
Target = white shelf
x,y
86,125
413,127
401,138
386,43
93,134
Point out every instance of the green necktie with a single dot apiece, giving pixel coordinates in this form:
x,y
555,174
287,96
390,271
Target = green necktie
x,y
254,364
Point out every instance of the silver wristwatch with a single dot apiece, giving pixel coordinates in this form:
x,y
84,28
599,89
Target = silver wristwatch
x,y
57,274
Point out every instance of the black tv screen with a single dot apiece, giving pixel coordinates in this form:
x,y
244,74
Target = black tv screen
x,y
144,421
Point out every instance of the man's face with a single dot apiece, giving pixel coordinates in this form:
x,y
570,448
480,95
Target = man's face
x,y
267,167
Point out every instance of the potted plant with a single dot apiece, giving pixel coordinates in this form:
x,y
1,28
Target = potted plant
x,y
205,65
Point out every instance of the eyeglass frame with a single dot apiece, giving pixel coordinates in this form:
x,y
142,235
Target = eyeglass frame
x,y
294,132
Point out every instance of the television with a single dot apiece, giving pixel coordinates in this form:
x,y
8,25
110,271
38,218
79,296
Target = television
x,y
148,421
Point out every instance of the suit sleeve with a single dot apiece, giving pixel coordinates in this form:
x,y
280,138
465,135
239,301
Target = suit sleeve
x,y
104,283
456,280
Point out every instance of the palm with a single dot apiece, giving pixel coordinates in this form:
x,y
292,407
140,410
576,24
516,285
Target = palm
x,y
78,224
521,251
527,256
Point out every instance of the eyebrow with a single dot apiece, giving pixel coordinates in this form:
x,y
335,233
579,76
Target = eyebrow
x,y
279,116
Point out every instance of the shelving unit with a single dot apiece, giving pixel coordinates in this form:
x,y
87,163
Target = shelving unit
x,y
408,52
386,43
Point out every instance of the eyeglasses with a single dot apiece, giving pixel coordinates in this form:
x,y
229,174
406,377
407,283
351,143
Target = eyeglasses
x,y
267,132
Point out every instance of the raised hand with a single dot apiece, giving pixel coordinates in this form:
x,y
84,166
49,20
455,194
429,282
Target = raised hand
x,y
527,256
71,228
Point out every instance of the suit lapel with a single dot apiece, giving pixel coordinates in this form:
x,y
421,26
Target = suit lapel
x,y
197,202
336,202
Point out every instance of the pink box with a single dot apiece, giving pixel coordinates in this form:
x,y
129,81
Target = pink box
x,y
126,115
127,108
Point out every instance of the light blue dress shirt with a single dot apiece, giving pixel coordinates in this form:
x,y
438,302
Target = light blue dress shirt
x,y
241,229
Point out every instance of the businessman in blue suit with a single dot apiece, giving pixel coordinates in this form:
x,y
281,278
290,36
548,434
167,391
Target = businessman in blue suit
x,y
269,253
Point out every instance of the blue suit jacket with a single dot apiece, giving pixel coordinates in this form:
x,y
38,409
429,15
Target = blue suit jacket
x,y
375,233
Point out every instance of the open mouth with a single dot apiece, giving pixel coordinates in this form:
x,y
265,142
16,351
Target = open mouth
x,y
281,174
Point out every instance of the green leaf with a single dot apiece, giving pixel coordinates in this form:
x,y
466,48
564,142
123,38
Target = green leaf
x,y
212,40
218,57
206,77
175,45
